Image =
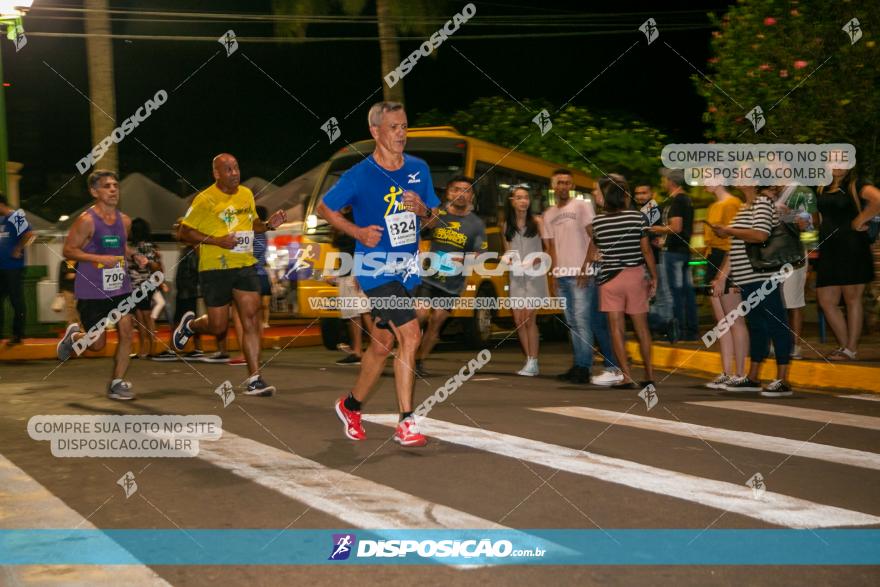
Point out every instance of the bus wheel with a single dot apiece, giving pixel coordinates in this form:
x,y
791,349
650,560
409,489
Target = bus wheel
x,y
478,328
333,332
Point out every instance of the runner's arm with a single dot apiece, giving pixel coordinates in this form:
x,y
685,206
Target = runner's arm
x,y
189,235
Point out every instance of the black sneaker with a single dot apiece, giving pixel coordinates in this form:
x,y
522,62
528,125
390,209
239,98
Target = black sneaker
x,y
739,384
259,388
353,360
420,368
567,375
183,332
166,355
195,355
778,388
581,375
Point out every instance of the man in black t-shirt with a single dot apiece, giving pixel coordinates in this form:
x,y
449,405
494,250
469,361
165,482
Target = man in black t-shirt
x,y
677,225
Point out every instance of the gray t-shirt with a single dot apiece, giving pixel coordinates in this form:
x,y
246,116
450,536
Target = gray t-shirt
x,y
454,234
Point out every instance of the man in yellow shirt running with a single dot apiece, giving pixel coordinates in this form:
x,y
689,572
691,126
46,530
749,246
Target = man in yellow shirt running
x,y
221,222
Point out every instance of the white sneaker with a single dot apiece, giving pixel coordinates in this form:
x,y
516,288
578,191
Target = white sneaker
x,y
608,377
719,382
796,353
530,369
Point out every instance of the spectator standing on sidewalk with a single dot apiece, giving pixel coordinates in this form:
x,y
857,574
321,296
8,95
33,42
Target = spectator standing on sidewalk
x,y
733,344
15,236
677,227
845,262
767,320
621,238
796,204
143,260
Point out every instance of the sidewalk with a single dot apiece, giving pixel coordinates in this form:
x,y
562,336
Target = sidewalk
x,y
813,372
275,337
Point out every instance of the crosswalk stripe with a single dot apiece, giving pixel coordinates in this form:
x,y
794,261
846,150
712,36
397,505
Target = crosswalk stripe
x,y
26,504
773,508
769,409
357,501
811,450
868,397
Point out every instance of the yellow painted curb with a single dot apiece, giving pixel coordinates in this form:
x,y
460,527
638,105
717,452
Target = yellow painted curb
x,y
804,374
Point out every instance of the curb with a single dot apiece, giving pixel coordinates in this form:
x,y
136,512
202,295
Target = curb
x,y
802,374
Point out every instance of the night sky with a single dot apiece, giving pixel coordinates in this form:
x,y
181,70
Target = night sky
x,y
230,105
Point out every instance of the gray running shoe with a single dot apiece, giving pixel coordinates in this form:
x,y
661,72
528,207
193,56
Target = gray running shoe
x,y
65,349
121,390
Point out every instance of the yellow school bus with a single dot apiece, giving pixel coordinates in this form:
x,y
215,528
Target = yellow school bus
x,y
448,153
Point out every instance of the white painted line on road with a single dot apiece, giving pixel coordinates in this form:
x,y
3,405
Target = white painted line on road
x,y
823,416
772,508
26,504
785,446
868,397
356,501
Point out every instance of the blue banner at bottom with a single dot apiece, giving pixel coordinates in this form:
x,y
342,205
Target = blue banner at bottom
x,y
445,547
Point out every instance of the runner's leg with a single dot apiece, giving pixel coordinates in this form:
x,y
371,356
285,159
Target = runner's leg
x,y
373,362
408,338
124,331
248,303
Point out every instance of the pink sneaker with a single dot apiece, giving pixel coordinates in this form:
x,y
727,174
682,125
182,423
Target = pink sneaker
x,y
239,360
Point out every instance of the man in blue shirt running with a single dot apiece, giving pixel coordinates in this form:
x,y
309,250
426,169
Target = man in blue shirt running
x,y
391,194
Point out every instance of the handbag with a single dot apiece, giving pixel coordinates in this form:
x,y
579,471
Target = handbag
x,y
781,247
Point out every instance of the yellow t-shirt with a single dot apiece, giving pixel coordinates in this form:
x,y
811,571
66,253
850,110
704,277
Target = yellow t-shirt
x,y
215,213
720,213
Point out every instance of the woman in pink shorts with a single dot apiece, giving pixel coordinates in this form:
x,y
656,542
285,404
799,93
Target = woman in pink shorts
x,y
620,241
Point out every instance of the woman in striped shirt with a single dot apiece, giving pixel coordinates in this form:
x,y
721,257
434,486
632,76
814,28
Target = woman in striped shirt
x,y
766,317
620,241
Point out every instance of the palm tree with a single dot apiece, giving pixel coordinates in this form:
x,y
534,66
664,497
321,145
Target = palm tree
x,y
395,17
99,52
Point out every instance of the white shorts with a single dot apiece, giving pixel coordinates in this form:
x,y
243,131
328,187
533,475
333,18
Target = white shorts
x,y
793,289
349,288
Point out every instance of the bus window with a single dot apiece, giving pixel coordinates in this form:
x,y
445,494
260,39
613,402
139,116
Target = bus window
x,y
485,193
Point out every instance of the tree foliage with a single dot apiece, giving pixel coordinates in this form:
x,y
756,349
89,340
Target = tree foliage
x,y
794,60
594,143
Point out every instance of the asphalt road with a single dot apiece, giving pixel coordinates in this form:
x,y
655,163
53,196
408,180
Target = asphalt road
x,y
502,452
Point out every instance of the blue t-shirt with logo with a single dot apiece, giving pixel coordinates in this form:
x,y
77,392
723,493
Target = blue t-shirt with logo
x,y
376,197
10,226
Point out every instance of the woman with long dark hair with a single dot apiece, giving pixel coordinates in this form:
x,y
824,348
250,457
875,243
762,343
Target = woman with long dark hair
x,y
143,260
620,240
522,239
845,263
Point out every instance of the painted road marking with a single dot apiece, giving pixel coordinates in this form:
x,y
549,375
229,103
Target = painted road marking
x,y
769,409
773,508
27,504
785,446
